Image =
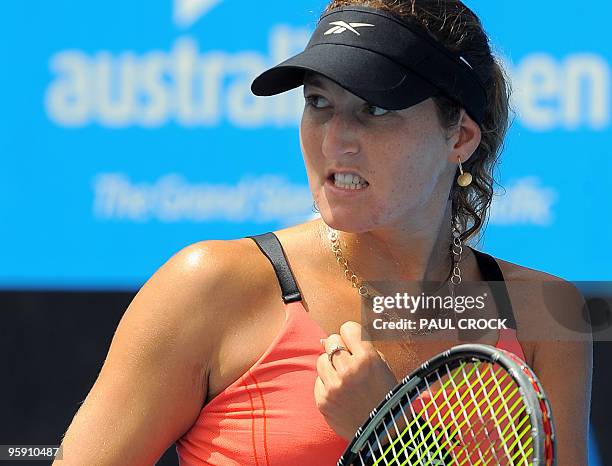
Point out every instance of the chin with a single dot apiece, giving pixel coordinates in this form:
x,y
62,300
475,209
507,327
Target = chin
x,y
344,220
349,216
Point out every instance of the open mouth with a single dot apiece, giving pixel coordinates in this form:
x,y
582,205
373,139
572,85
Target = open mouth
x,y
348,181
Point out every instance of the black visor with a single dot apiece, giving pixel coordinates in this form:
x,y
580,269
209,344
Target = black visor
x,y
388,62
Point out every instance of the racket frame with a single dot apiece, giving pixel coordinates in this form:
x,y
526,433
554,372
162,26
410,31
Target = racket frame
x,y
537,405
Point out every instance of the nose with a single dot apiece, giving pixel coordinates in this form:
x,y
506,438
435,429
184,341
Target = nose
x,y
340,136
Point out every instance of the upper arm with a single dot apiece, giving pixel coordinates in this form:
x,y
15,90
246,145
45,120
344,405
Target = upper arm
x,y
153,382
551,323
564,367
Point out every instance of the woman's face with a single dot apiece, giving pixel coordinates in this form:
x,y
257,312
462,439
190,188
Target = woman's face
x,y
403,156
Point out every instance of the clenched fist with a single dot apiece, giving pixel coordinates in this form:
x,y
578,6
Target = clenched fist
x,y
353,383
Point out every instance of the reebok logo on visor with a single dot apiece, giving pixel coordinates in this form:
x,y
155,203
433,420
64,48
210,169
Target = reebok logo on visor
x,y
341,26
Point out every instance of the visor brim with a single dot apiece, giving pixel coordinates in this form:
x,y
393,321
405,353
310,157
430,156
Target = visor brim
x,y
369,75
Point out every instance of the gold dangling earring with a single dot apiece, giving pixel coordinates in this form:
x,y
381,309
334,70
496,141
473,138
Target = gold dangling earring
x,y
465,179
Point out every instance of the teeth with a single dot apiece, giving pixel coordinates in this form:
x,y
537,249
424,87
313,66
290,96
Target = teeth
x,y
349,178
349,181
350,185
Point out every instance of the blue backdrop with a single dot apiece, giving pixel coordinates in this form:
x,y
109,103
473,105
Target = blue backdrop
x,y
129,131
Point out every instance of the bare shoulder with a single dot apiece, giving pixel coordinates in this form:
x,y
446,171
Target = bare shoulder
x,y
154,379
195,283
537,290
516,272
547,307
254,311
550,311
242,273
214,278
215,269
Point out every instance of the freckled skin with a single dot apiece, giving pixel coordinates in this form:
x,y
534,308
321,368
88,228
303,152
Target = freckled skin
x,y
402,154
396,221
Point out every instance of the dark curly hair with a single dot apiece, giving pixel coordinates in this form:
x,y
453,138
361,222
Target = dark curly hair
x,y
458,28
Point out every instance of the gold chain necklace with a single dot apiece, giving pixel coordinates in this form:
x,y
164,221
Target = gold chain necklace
x,y
369,292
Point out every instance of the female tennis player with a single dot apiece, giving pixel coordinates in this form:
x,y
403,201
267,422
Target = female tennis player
x,y
251,351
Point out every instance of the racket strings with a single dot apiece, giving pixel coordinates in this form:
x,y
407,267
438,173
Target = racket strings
x,y
475,439
463,417
492,442
419,434
423,432
465,425
447,438
492,411
453,410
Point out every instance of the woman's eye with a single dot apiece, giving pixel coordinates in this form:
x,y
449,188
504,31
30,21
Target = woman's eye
x,y
377,111
317,101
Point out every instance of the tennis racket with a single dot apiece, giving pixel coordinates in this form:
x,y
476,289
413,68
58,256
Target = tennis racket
x,y
471,405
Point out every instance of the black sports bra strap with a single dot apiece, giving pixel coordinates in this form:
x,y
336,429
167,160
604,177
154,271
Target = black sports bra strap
x,y
492,273
269,244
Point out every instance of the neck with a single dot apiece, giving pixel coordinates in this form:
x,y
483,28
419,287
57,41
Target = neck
x,y
410,253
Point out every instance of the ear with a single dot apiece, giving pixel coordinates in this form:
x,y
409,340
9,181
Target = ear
x,y
465,138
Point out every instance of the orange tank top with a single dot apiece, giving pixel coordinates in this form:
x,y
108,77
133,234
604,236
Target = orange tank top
x,y
268,416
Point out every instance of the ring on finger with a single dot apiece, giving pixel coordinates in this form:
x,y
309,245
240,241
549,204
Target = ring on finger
x,y
333,350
